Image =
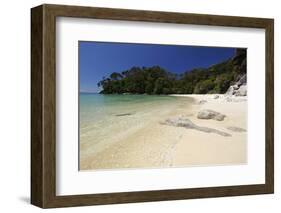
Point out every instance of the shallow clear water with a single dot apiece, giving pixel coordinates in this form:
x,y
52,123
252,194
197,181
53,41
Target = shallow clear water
x,y
106,117
94,107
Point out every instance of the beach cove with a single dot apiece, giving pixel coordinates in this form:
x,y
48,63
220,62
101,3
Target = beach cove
x,y
143,131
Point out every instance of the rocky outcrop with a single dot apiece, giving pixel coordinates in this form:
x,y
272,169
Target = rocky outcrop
x,y
242,80
242,91
210,114
231,90
186,123
239,88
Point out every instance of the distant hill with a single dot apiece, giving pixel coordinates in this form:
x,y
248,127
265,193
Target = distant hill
x,y
156,80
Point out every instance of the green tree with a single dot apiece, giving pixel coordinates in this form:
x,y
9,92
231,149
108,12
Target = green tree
x,y
204,87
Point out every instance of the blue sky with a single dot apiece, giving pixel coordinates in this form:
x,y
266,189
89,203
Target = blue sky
x,y
99,59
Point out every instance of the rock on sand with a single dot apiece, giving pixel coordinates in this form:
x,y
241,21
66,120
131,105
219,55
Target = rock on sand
x,y
185,122
210,114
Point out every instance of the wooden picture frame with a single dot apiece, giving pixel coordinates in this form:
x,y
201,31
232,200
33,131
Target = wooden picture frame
x,y
43,105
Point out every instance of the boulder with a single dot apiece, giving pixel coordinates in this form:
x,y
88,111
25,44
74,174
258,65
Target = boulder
x,y
210,114
242,91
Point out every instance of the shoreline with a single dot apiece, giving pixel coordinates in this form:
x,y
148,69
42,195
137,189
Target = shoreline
x,y
155,145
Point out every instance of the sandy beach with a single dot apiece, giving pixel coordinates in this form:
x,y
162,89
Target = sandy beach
x,y
155,144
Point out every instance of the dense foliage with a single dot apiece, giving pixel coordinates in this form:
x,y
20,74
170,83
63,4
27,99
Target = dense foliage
x,y
156,80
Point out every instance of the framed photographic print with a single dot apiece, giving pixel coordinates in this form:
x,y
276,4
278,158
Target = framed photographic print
x,y
136,106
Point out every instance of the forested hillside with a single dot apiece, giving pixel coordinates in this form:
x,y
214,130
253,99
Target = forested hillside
x,y
156,80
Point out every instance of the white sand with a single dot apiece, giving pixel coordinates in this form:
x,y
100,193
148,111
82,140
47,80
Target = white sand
x,y
156,145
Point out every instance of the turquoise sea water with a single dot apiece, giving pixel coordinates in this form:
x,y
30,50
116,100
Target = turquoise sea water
x,y
106,117
96,107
